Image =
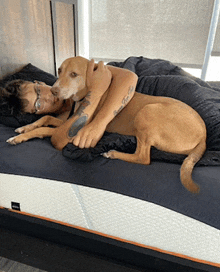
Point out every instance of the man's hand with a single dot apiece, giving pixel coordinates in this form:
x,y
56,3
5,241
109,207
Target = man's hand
x,y
98,77
89,135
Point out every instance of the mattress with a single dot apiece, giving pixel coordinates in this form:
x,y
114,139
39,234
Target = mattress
x,y
114,215
135,204
144,208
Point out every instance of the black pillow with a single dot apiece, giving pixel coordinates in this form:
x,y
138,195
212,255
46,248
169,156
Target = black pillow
x,y
109,141
29,73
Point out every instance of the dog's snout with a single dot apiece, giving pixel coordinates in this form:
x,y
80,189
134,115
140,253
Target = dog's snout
x,y
55,91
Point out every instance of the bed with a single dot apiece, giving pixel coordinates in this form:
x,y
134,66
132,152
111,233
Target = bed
x,y
138,214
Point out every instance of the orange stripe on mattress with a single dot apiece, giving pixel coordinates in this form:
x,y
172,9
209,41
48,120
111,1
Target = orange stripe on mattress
x,y
117,238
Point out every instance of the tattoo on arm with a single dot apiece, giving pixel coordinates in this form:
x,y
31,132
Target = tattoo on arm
x,y
83,118
125,100
77,125
84,104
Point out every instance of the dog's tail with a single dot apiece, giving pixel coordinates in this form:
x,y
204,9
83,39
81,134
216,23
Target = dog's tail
x,y
187,167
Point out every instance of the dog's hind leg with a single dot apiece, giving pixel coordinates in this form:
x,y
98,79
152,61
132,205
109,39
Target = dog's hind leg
x,y
141,155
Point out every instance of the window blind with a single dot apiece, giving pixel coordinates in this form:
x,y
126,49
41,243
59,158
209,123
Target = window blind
x,y
176,30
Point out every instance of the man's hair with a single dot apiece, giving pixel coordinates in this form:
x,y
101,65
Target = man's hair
x,y
11,102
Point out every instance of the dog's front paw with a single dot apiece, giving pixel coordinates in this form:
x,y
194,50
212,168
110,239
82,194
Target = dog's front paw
x,y
109,154
20,130
15,140
25,129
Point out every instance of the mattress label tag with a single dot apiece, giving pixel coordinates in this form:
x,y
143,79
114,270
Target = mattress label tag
x,y
15,206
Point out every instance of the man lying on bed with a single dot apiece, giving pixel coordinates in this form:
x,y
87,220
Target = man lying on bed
x,y
28,97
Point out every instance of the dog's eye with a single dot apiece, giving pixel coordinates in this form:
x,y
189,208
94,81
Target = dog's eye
x,y
73,74
59,71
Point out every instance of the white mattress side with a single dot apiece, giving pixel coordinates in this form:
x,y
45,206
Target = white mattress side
x,y
42,197
112,214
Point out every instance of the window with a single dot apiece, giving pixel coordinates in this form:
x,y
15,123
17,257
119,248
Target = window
x,y
175,30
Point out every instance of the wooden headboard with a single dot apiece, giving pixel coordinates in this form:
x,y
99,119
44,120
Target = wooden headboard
x,y
41,32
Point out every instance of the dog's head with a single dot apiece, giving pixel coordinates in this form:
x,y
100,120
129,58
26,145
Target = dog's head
x,y
72,79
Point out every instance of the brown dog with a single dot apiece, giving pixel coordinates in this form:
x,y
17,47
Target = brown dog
x,y
162,122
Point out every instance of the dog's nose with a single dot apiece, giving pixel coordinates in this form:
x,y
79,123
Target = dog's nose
x,y
55,91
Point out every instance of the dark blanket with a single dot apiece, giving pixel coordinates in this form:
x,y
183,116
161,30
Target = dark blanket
x,y
162,78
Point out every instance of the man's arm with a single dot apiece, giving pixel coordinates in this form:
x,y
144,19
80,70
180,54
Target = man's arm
x,y
120,92
98,81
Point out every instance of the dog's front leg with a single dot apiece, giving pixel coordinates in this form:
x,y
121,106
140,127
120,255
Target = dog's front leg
x,y
36,133
45,121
